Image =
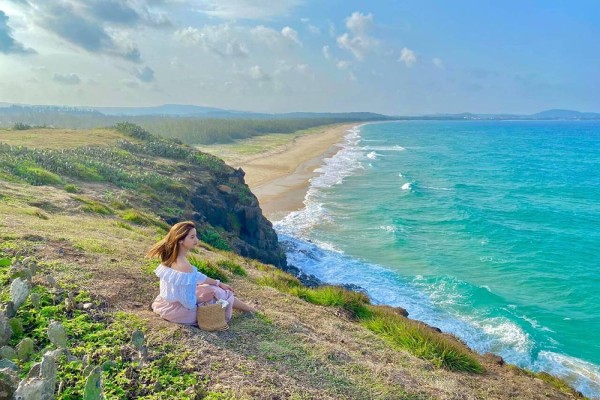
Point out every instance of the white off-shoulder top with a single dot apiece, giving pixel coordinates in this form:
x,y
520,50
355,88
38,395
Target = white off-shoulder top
x,y
179,286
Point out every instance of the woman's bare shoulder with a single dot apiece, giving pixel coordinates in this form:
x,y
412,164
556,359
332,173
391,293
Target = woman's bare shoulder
x,y
182,266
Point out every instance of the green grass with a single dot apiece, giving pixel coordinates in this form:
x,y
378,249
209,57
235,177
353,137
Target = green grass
x,y
93,206
70,188
398,331
93,246
209,269
421,341
232,267
34,174
140,218
212,237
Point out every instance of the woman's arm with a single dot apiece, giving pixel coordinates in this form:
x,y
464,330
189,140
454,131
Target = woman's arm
x,y
216,282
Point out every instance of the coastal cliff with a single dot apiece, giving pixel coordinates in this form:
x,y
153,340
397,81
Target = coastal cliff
x,y
75,223
142,174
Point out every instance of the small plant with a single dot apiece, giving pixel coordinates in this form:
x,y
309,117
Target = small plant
x,y
70,188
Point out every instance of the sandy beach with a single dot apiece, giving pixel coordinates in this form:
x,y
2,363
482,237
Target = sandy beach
x,y
280,178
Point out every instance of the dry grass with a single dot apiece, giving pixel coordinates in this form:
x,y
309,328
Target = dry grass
x,y
46,138
291,350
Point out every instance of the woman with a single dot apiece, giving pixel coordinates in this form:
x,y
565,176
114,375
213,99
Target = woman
x,y
182,287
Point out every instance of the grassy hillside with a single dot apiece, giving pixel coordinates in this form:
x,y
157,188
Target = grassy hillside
x,y
324,343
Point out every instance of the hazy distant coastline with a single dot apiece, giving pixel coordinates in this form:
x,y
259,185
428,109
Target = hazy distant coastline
x,y
10,112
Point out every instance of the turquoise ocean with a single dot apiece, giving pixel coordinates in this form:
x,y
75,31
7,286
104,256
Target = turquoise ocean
x,y
489,230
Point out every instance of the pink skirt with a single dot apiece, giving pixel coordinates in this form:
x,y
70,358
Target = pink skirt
x,y
205,294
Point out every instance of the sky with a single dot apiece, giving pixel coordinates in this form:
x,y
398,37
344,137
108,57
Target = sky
x,y
388,56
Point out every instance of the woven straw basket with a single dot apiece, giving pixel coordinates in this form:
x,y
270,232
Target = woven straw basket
x,y
212,318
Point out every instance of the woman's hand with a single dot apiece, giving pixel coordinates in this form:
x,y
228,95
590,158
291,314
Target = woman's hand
x,y
224,286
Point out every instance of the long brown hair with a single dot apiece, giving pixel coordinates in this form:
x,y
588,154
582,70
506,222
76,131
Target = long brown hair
x,y
168,248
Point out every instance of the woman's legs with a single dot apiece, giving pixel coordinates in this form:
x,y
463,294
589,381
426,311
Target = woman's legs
x,y
240,305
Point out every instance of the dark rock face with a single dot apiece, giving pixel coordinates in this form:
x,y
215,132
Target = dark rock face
x,y
226,202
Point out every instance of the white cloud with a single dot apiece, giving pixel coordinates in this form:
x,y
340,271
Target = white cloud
x,y
326,52
290,34
438,63
359,23
358,45
311,28
331,29
351,76
257,73
358,41
220,39
408,57
244,9
189,36
303,68
287,38
342,64
266,35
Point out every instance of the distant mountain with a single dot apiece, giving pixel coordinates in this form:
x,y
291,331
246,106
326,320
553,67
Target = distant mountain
x,y
179,110
565,114
167,109
555,114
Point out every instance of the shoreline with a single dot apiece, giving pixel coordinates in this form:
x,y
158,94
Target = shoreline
x,y
280,178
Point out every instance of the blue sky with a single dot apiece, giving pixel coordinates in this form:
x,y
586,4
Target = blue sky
x,y
394,57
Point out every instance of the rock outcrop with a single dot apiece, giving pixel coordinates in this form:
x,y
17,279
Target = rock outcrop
x,y
226,202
